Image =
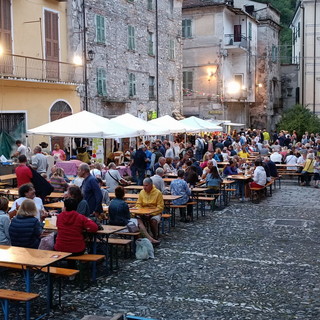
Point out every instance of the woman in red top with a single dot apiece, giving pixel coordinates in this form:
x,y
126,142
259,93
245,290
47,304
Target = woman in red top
x,y
71,226
23,172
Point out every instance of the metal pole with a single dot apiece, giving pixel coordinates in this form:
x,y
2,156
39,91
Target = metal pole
x,y
157,57
85,57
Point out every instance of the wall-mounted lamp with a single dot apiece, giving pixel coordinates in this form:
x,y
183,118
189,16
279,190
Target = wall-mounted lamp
x,y
259,85
91,55
211,72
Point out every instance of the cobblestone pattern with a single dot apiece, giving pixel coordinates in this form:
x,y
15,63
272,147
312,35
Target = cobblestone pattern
x,y
231,264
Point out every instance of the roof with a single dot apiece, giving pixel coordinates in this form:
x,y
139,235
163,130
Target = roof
x,y
201,3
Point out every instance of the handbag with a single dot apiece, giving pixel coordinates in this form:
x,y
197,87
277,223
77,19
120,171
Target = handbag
x,y
132,227
47,243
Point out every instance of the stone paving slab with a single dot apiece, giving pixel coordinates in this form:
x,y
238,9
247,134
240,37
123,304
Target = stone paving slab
x,y
237,263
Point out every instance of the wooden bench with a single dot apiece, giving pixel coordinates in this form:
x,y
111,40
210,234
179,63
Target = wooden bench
x,y
165,217
256,194
116,242
55,271
18,296
173,208
289,173
87,258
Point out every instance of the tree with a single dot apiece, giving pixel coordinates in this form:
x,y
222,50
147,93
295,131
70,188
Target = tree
x,y
300,119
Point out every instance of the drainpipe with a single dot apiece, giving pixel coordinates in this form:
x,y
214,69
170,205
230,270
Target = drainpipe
x,y
302,57
157,57
314,56
85,57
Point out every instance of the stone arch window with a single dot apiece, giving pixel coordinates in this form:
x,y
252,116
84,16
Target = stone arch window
x,y
59,110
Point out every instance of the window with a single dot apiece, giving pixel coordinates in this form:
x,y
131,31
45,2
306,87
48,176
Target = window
x,y
274,53
132,85
151,88
186,28
172,89
237,33
150,4
100,29
250,31
150,43
171,6
298,30
131,38
239,79
187,82
5,25
171,49
101,82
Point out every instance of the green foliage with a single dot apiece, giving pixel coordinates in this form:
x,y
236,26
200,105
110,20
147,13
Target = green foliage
x,y
300,119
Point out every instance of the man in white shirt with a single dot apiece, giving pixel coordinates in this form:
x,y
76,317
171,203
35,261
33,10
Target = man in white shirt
x,y
169,151
276,157
21,150
113,177
39,161
157,180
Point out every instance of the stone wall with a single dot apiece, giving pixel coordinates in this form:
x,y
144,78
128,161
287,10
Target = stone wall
x,y
118,61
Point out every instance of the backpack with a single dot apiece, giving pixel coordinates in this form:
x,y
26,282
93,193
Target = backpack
x,y
200,145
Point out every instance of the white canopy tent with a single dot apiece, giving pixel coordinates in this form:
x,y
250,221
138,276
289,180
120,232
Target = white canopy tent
x,y
200,124
172,125
144,127
84,124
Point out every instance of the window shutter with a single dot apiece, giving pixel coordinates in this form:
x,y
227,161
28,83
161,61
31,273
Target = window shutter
x,y
100,29
5,26
237,33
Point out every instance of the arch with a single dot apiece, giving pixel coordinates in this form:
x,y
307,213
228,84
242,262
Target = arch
x,y
59,109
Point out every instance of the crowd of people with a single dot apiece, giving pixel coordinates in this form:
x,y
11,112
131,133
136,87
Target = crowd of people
x,y
202,161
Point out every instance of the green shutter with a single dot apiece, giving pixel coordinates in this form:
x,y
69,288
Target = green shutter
x,y
132,85
100,29
186,28
101,82
250,31
131,38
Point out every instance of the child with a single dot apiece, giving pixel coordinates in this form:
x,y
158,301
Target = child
x,y
4,222
25,228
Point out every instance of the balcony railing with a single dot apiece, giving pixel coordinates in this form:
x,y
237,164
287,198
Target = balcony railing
x,y
28,68
230,40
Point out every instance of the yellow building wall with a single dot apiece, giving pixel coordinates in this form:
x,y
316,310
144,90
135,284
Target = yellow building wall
x,y
35,100
28,27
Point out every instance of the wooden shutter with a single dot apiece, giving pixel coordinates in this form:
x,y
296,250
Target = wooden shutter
x,y
6,64
52,44
100,29
237,33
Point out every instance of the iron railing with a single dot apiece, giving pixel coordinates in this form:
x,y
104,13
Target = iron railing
x,y
28,68
236,41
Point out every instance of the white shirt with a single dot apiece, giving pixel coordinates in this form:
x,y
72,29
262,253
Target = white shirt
x,y
260,176
37,201
112,177
291,159
276,157
22,150
169,153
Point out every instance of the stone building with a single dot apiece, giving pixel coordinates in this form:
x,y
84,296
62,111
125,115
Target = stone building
x,y
231,67
306,52
133,55
267,109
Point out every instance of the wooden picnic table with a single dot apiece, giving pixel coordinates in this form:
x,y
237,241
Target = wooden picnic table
x,y
166,197
15,192
32,258
243,179
8,176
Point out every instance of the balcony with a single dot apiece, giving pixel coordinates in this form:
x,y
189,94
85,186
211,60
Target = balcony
x,y
235,43
17,67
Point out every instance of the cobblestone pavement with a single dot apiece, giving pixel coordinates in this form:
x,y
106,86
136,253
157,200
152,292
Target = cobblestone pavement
x,y
247,261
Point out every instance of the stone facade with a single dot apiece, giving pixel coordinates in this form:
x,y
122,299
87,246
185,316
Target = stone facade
x,y
250,59
117,61
306,52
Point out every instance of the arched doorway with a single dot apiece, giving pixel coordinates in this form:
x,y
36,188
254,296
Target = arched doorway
x,y
59,110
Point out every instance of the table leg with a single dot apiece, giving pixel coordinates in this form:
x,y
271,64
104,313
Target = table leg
x,y
28,289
